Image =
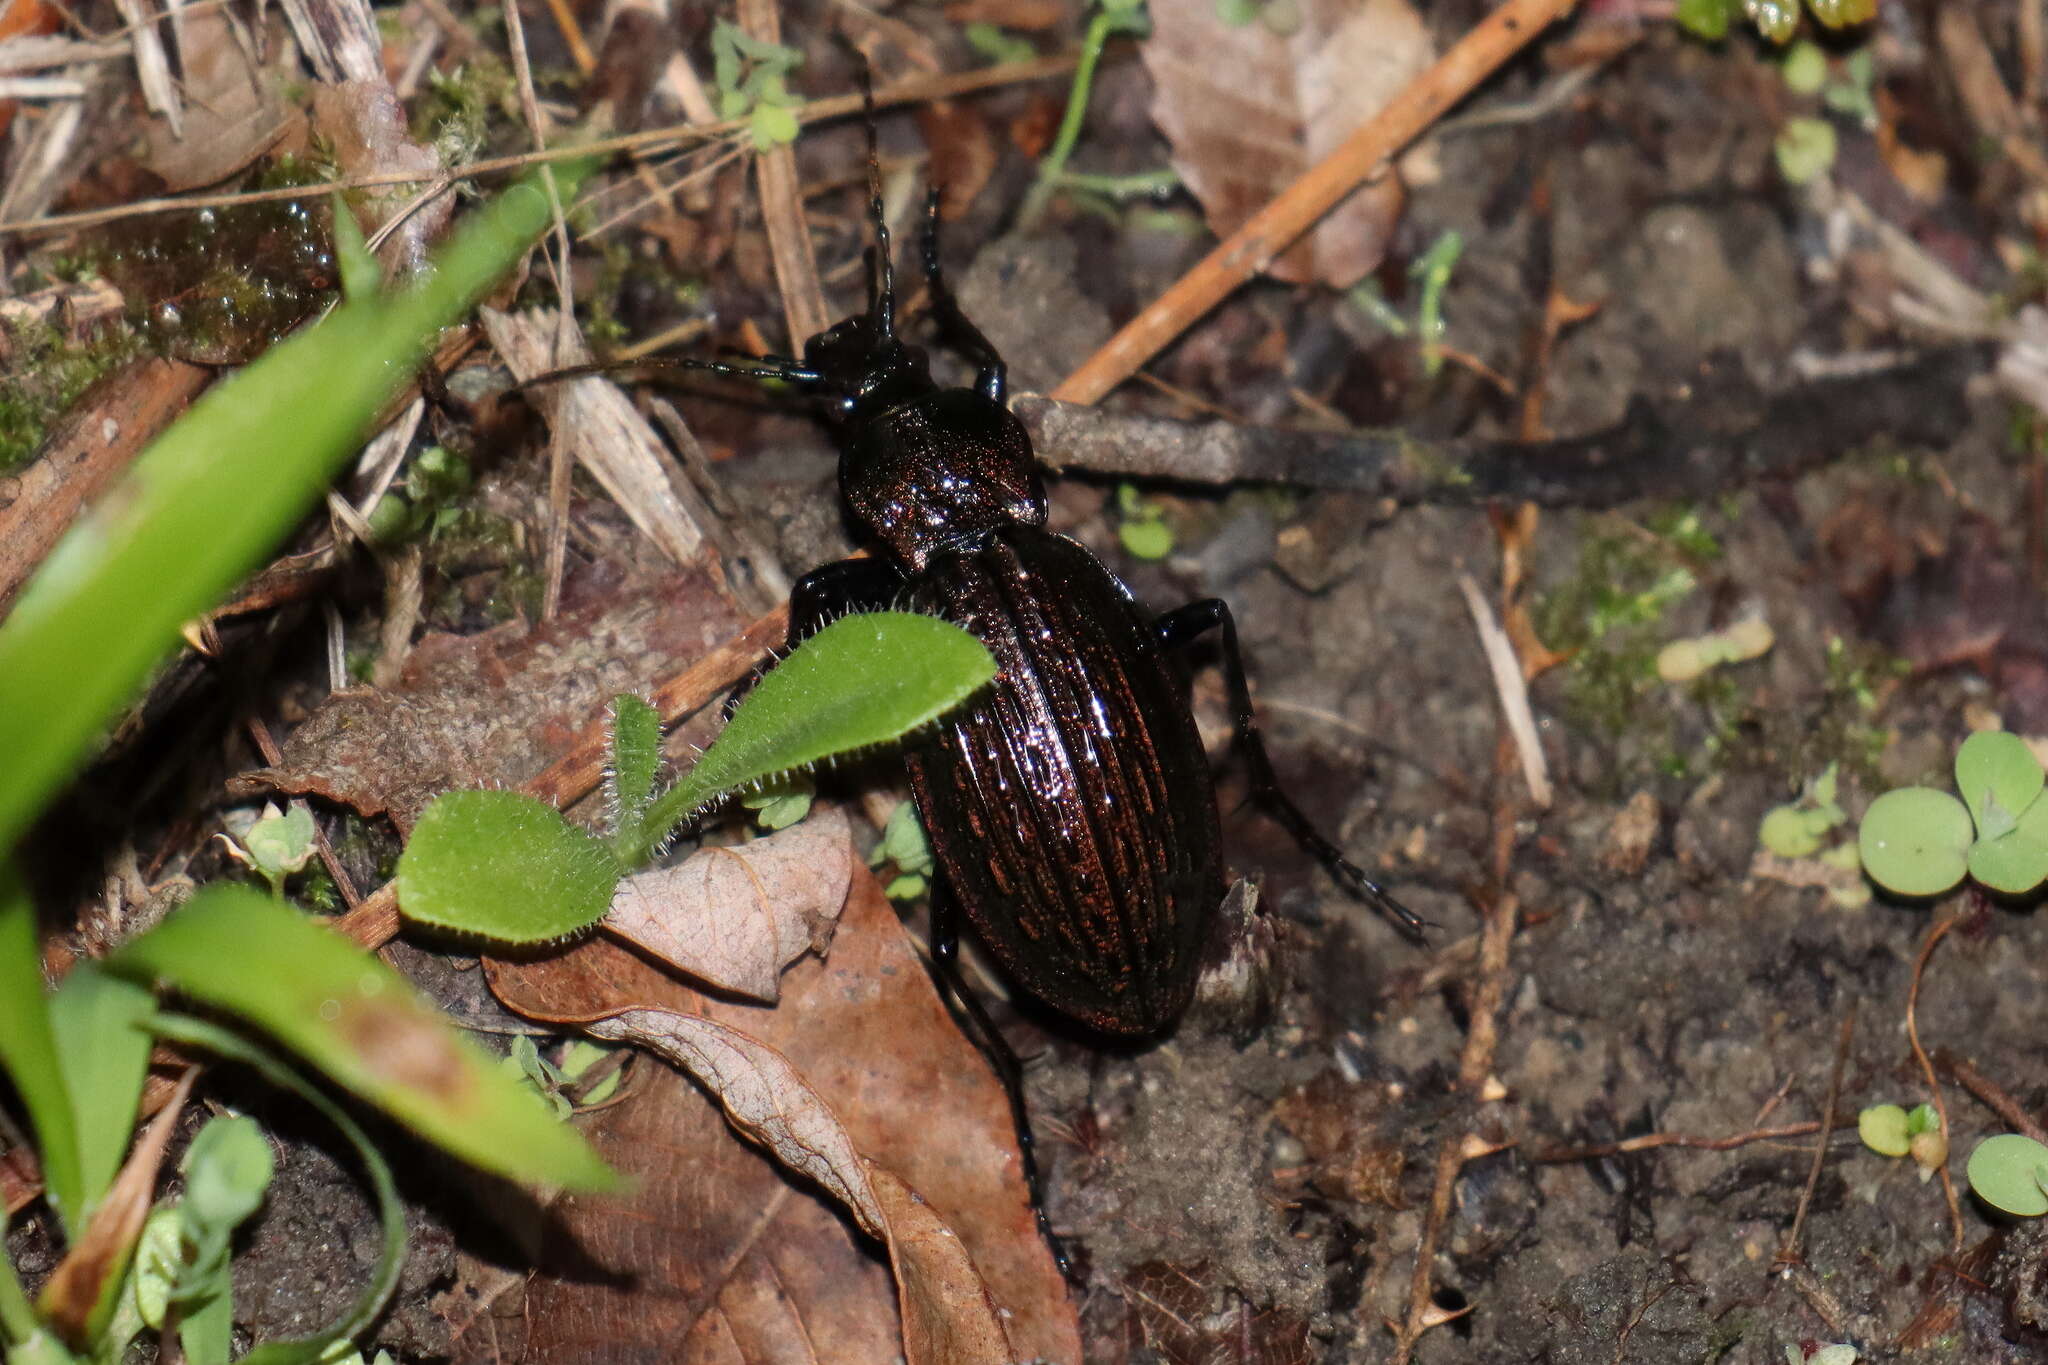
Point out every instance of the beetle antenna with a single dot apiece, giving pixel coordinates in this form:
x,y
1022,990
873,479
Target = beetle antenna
x,y
768,367
882,278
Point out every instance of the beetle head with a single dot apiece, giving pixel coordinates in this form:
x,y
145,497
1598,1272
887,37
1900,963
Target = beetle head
x,y
863,366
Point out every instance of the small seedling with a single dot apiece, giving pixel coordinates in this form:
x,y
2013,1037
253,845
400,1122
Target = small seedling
x,y
1798,829
2010,1173
781,802
1805,149
1890,1131
1141,525
1107,20
553,1081
1432,273
904,844
275,843
752,83
1688,660
1917,841
505,866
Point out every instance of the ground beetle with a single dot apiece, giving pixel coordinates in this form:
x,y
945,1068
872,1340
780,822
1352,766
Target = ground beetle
x,y
1069,805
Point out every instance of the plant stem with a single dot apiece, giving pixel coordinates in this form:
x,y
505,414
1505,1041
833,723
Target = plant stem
x,y
1054,166
1122,186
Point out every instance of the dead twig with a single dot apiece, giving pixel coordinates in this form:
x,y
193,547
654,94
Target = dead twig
x,y
1935,933
1788,1254
1992,1094
782,209
1512,689
1274,228
1475,1063
1644,1142
916,90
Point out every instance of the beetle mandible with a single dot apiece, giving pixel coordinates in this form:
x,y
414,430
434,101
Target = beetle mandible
x,y
1069,804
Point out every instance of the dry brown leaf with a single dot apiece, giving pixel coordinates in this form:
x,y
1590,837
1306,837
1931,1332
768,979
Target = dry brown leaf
x,y
605,434
868,1034
234,114
102,1253
764,1096
963,153
1248,111
734,917
365,124
1186,1315
946,1310
1032,16
492,710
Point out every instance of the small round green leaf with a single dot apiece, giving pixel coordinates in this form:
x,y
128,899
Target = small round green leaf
x,y
1916,841
1883,1129
1805,148
1999,778
1788,833
2010,864
227,1169
505,866
2007,1172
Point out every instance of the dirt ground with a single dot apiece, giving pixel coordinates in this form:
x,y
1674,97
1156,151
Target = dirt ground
x,y
1255,1185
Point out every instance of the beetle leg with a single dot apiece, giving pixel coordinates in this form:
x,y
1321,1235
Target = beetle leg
x,y
1178,627
821,597
838,589
991,376
967,1011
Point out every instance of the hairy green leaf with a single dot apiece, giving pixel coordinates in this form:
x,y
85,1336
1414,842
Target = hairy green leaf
x,y
864,680
636,758
506,866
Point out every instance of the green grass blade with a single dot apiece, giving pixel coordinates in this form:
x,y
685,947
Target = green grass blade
x,y
213,495
28,1051
359,1022
99,1025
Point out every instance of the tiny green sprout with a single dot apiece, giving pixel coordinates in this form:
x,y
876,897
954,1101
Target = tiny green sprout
x,y
1927,1144
2010,1173
1805,149
1142,525
1883,1129
997,46
1804,68
781,801
904,844
751,78
275,843
1799,829
1433,270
